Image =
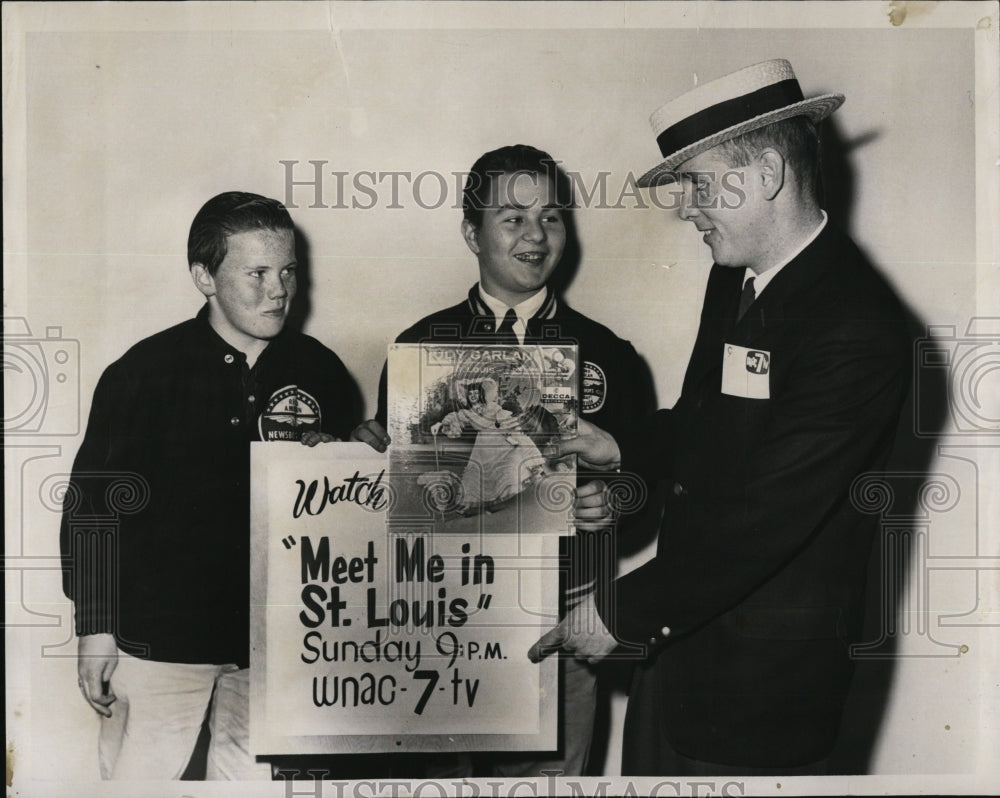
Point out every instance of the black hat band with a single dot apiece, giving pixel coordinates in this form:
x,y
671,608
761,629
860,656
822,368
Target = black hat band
x,y
728,113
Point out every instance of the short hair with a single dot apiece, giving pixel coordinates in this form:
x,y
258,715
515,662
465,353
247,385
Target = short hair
x,y
795,138
227,214
513,159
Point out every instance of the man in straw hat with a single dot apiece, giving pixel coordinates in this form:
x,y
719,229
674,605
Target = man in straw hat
x,y
793,389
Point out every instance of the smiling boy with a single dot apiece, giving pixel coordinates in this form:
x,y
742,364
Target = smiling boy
x,y
517,221
162,594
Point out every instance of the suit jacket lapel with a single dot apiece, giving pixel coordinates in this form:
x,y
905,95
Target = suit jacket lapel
x,y
769,312
718,317
718,312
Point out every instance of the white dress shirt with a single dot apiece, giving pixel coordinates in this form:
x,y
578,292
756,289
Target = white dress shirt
x,y
524,310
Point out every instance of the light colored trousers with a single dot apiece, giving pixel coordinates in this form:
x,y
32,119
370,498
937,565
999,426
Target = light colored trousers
x,y
579,709
155,722
579,703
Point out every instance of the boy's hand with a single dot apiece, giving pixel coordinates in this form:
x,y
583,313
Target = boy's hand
x,y
592,508
594,448
581,634
372,433
97,658
312,437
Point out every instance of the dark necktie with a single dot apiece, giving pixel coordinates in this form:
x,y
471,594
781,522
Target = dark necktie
x,y
748,295
505,332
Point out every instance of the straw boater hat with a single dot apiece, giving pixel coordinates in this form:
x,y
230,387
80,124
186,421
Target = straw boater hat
x,y
728,107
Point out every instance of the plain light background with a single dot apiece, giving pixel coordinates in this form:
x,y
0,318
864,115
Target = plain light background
x,y
130,127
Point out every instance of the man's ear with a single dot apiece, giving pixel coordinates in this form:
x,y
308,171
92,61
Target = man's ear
x,y
203,281
772,173
471,235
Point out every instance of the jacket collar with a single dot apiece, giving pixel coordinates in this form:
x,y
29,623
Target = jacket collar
x,y
483,322
479,308
217,344
770,310
718,324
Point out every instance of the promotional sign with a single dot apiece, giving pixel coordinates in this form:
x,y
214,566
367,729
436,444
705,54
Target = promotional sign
x,y
372,631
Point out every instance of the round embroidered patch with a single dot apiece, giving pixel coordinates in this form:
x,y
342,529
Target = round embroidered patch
x,y
594,387
289,412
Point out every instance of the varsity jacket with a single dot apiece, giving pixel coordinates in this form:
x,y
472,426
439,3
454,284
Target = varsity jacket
x,y
614,389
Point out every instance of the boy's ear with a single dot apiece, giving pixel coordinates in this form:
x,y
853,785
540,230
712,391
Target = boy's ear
x,y
471,235
203,281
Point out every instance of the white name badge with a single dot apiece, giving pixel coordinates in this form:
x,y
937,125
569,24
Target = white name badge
x,y
746,372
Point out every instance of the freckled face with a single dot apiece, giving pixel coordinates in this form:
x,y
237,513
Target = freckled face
x,y
252,291
521,238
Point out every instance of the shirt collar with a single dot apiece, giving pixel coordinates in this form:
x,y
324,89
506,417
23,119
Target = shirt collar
x,y
761,280
524,310
220,344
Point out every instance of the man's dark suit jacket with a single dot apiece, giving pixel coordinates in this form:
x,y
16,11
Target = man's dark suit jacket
x,y
761,558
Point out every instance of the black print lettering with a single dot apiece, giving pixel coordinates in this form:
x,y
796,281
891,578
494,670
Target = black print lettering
x,y
447,645
314,599
410,564
317,648
471,688
457,682
317,566
350,691
358,489
427,613
482,567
